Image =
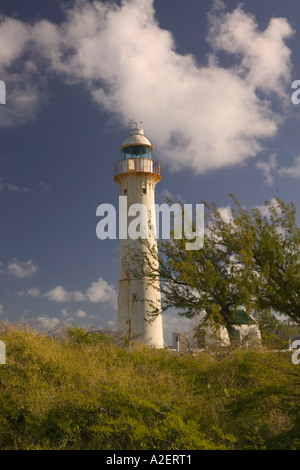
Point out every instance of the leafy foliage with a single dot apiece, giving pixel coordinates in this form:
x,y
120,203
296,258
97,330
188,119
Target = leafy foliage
x,y
250,261
275,334
81,390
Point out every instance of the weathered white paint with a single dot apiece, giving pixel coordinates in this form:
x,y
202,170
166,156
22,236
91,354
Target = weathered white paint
x,y
138,184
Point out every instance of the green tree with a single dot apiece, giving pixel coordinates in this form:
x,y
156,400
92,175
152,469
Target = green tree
x,y
249,261
276,255
276,334
218,278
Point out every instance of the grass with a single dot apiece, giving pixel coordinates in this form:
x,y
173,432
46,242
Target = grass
x,y
84,390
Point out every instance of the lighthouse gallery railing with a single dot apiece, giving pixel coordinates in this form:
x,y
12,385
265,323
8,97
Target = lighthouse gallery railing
x,y
137,165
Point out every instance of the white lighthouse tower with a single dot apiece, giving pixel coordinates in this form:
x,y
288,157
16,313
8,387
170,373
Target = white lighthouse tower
x,y
137,175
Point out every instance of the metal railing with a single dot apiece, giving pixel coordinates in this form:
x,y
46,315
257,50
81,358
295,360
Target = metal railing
x,y
137,165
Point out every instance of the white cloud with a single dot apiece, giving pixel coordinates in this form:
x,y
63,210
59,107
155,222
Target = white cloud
x,y
268,168
32,292
4,185
101,291
80,314
111,325
265,59
47,323
67,316
18,189
13,35
65,312
167,194
293,171
201,117
264,209
226,213
59,294
19,70
22,269
78,296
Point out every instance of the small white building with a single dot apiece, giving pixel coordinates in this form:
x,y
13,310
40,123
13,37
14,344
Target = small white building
x,y
202,334
180,341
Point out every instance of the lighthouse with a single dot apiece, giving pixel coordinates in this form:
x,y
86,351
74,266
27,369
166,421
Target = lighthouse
x,y
137,175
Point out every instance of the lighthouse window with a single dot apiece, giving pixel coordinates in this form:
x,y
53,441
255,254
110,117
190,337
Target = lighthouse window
x,y
125,191
136,151
134,297
144,190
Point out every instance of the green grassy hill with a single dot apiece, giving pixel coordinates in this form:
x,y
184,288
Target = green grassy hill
x,y
83,390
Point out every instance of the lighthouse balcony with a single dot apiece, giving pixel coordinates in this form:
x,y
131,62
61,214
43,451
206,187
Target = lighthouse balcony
x,y
137,165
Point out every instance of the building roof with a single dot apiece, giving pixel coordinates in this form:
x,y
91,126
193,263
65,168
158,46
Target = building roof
x,y
136,137
241,317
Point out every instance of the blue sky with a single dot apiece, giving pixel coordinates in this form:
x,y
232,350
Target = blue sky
x,y
211,82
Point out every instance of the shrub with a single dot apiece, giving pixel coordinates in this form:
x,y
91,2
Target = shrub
x,y
85,390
